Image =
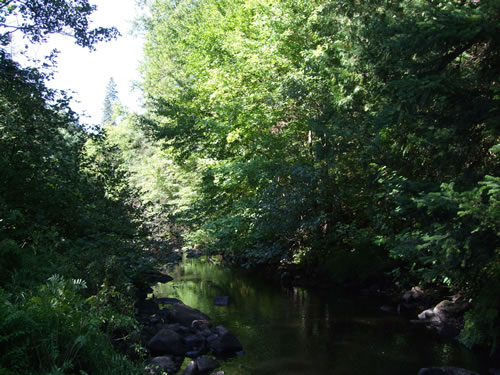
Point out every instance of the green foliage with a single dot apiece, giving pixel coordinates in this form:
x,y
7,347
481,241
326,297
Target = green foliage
x,y
65,208
163,190
346,135
53,331
37,19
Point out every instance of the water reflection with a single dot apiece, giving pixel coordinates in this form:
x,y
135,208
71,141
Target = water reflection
x,y
299,331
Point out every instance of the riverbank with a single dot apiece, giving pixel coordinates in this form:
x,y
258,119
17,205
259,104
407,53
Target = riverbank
x,y
311,330
179,337
434,308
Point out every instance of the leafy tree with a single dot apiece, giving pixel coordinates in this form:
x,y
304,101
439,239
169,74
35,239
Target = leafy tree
x,y
63,209
340,136
37,19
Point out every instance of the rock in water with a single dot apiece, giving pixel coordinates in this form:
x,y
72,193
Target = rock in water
x,y
226,344
200,325
191,369
195,342
446,317
167,301
162,364
221,301
184,314
206,364
167,342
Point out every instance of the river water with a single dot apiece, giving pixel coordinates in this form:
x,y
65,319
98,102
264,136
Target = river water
x,y
301,331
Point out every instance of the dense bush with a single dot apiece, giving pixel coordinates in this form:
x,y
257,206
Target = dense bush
x,y
55,330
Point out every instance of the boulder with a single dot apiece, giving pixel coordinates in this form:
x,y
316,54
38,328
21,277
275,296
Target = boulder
x,y
191,369
173,326
221,330
177,327
167,341
193,354
221,301
185,315
200,325
414,294
445,371
206,332
446,317
225,345
167,301
162,364
212,337
444,310
195,342
206,364
448,309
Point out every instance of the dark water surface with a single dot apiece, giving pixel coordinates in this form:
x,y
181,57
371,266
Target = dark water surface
x,y
301,331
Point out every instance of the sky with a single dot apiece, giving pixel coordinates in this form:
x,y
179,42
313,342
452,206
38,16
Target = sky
x,y
85,74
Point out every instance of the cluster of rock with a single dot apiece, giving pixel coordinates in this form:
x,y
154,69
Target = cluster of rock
x,y
446,317
177,331
192,253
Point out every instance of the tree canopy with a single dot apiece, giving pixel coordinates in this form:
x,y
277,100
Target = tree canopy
x,y
348,138
38,19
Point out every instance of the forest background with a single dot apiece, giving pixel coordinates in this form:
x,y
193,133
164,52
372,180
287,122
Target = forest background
x,y
351,140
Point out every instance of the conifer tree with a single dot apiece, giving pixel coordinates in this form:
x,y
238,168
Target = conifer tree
x,y
110,99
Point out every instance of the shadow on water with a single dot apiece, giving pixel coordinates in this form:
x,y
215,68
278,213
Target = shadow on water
x,y
300,331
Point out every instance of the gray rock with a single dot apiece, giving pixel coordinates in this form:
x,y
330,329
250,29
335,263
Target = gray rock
x,y
221,301
167,301
195,342
446,317
206,332
206,364
445,371
444,310
416,293
212,337
193,354
163,363
226,344
185,315
167,341
221,330
191,369
200,325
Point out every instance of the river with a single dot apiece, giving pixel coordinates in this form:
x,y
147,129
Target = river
x,y
301,331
